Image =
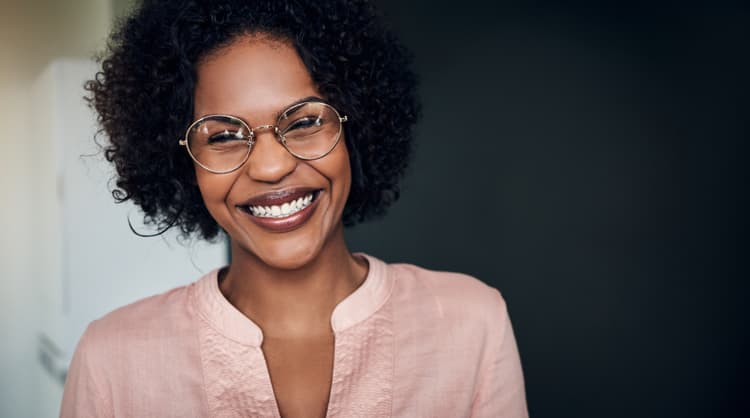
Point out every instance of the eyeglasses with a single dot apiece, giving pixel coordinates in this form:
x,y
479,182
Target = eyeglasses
x,y
222,143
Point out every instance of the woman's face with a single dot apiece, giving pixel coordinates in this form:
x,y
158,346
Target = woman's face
x,y
255,78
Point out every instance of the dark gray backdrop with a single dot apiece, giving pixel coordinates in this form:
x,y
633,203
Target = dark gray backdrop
x,y
589,163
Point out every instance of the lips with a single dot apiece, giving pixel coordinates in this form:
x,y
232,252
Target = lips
x,y
278,197
297,206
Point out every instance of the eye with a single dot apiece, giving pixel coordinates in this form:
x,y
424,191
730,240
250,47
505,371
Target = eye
x,y
306,122
226,136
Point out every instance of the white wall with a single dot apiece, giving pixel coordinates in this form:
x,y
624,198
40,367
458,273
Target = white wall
x,y
32,33
60,228
93,263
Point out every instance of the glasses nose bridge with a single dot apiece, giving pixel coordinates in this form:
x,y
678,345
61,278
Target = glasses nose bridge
x,y
256,131
274,129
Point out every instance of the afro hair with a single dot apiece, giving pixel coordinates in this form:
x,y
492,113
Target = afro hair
x,y
144,96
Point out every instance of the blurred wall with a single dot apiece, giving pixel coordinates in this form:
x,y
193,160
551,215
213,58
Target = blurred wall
x,y
32,32
588,159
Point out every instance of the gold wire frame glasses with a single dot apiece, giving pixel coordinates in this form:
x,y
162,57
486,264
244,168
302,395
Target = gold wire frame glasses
x,y
221,144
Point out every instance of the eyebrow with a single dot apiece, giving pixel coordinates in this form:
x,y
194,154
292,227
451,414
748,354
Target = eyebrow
x,y
286,111
278,114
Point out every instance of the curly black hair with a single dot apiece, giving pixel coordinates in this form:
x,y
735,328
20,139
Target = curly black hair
x,y
144,96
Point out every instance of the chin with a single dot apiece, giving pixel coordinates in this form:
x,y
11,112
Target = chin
x,y
286,263
287,258
290,250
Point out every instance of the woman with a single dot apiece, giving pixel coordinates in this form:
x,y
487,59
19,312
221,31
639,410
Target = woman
x,y
277,123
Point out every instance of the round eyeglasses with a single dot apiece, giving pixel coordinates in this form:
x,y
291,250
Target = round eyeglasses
x,y
222,143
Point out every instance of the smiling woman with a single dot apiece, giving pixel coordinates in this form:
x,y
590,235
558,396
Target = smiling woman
x,y
257,78
293,120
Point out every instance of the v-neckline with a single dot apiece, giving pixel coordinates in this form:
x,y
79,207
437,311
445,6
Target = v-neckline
x,y
274,384
358,306
236,372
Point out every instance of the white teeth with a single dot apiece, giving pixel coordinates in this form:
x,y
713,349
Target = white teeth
x,y
286,209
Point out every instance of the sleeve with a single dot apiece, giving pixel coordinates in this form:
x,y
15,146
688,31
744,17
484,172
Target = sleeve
x,y
501,392
84,395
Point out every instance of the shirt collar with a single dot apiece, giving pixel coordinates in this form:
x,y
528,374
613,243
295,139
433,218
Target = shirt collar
x,y
355,308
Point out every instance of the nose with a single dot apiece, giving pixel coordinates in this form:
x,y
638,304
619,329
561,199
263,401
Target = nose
x,y
269,161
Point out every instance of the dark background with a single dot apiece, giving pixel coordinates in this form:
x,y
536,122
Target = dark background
x,y
589,162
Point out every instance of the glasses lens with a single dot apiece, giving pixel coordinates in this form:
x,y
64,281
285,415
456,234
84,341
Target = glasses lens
x,y
310,130
219,143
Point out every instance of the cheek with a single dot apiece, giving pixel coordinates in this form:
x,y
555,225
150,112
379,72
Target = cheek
x,y
336,169
344,171
214,191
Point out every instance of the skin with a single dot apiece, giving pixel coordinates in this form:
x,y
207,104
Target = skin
x,y
288,283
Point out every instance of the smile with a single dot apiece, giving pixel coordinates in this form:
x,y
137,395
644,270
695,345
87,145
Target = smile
x,y
283,210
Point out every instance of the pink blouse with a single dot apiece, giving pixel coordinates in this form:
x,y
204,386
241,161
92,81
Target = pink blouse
x,y
409,342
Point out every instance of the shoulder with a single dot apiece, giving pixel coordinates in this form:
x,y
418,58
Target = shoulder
x,y
142,325
140,345
143,332
149,315
448,296
455,328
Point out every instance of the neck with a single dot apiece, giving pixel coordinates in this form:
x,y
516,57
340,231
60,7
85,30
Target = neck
x,y
298,302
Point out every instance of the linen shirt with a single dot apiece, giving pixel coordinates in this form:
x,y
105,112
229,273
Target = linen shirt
x,y
409,342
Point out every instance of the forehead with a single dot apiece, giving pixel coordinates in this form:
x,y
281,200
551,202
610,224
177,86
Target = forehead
x,y
253,77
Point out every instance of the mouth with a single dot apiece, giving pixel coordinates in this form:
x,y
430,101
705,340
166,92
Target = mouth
x,y
282,211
